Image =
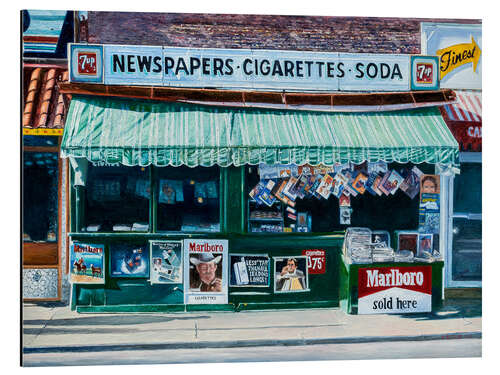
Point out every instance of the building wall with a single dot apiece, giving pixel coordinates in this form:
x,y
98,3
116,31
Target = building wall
x,y
327,34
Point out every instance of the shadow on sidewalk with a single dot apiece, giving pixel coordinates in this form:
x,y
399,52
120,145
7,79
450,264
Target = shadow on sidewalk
x,y
452,309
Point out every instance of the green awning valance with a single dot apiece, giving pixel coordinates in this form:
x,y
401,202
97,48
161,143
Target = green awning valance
x,y
136,132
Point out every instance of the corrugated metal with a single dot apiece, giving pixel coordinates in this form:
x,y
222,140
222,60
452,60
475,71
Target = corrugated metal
x,y
136,132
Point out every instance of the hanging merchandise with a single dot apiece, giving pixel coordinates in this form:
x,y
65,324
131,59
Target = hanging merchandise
x,y
411,184
345,201
345,215
167,192
359,182
324,188
429,204
393,181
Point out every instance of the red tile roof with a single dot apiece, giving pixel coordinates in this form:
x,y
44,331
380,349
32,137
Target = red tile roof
x,y
44,106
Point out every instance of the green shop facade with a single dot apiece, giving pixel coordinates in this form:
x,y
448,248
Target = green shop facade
x,y
168,185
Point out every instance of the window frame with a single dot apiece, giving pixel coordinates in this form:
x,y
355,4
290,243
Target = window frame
x,y
78,207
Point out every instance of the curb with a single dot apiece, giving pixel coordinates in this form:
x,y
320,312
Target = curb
x,y
248,343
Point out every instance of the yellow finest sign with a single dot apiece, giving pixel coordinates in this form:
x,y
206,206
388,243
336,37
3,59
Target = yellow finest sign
x,y
455,56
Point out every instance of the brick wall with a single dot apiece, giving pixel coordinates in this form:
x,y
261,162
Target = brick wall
x,y
339,34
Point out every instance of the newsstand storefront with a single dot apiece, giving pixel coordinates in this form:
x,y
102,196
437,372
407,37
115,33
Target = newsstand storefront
x,y
194,199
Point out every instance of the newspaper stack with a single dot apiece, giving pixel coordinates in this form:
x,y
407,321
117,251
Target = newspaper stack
x,y
403,256
424,257
361,254
357,245
382,254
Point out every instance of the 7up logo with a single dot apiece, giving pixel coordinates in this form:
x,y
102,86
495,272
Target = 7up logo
x,y
424,73
87,63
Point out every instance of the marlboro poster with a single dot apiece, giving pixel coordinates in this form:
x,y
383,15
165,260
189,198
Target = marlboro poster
x,y
87,263
205,271
166,262
394,290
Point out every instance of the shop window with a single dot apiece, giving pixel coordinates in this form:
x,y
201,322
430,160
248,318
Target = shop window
x,y
188,199
117,199
467,224
315,213
467,250
40,181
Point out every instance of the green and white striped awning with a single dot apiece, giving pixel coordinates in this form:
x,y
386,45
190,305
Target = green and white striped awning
x,y
137,132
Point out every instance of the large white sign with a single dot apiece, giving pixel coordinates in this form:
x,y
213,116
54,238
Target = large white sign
x,y
246,68
205,271
459,48
383,290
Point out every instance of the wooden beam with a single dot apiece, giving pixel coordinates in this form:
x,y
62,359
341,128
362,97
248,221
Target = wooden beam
x,y
332,99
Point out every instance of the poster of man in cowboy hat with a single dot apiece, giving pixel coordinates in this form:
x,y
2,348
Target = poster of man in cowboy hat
x,y
206,275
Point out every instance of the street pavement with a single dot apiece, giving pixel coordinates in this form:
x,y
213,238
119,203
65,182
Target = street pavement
x,y
53,328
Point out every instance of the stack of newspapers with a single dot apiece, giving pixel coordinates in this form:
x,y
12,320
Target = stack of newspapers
x,y
403,256
357,245
382,254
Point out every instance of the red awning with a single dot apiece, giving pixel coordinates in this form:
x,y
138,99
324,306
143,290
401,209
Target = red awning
x,y
464,118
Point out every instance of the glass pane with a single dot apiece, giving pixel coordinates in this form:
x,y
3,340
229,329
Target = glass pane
x,y
188,199
117,199
467,250
467,189
40,180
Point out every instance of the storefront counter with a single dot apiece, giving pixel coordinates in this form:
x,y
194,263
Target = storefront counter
x,y
397,288
139,294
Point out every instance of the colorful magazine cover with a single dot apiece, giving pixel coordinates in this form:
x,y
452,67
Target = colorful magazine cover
x,y
369,183
289,190
339,168
286,170
255,192
309,184
424,243
345,201
393,181
381,185
345,215
265,194
324,188
429,184
314,187
300,186
338,184
360,168
348,186
306,170
376,183
377,167
359,182
411,184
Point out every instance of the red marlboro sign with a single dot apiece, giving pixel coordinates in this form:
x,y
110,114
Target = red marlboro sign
x,y
383,290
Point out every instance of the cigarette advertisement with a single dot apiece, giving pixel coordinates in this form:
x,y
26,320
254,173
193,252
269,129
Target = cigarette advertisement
x,y
129,260
291,274
394,290
166,262
205,271
87,263
249,270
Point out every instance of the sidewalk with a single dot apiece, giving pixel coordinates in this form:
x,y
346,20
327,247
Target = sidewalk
x,y
53,328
